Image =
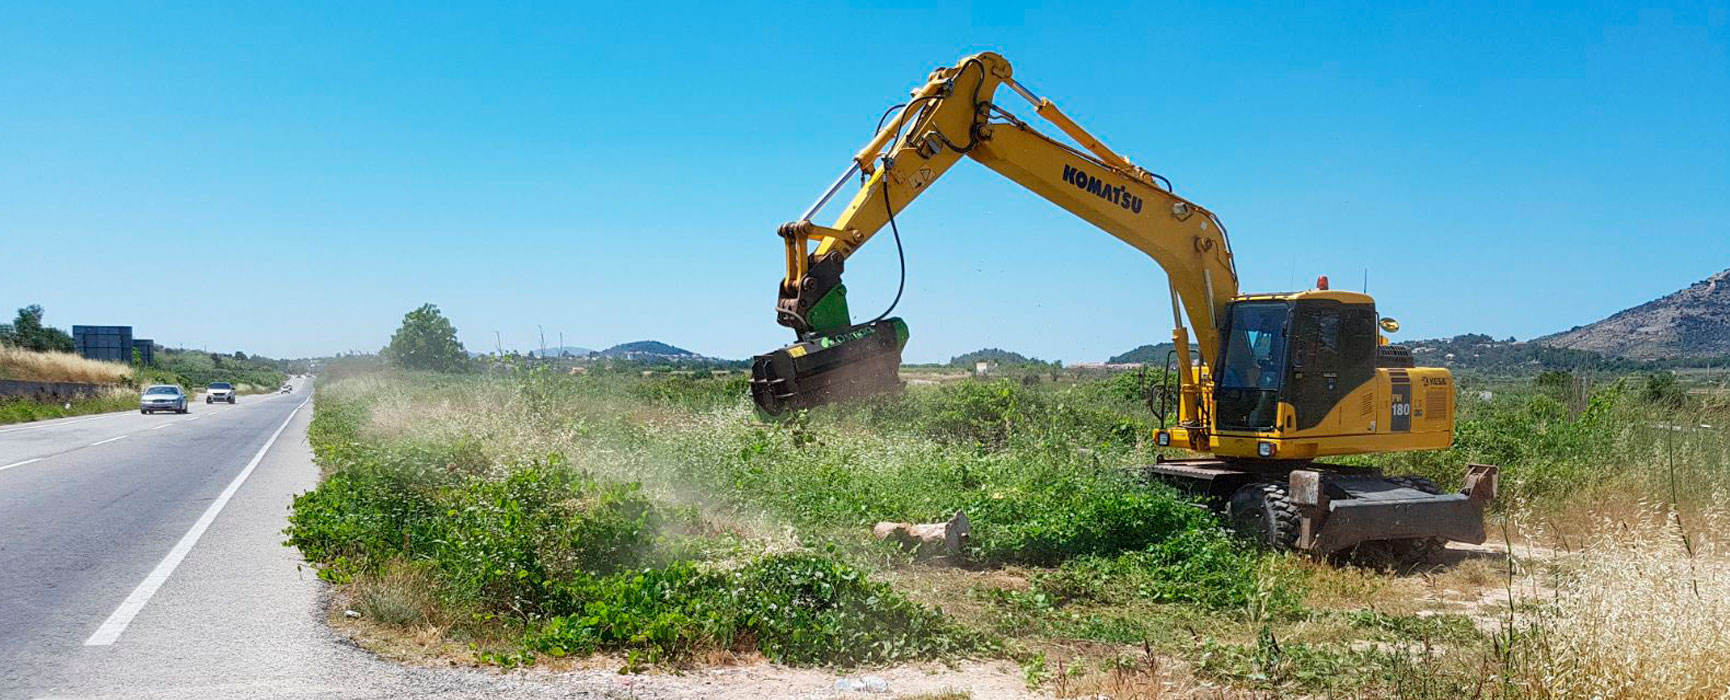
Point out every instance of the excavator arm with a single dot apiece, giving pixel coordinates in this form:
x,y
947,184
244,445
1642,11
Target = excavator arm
x,y
951,116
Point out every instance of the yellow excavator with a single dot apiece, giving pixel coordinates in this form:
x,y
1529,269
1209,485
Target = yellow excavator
x,y
1277,380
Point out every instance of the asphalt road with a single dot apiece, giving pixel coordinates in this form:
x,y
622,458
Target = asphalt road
x,y
141,557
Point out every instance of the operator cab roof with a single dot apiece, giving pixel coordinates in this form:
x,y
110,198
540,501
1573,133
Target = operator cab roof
x,y
1338,295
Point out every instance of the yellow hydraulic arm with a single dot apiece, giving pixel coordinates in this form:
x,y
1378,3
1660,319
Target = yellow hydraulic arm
x,y
952,115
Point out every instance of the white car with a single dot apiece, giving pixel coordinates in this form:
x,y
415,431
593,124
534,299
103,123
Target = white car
x,y
162,397
219,391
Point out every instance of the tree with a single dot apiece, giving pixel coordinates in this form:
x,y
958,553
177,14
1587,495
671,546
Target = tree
x,y
426,340
1662,389
27,332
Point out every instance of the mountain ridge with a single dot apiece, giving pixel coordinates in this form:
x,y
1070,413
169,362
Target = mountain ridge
x,y
1691,322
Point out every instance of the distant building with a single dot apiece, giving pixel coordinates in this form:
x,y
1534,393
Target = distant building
x,y
109,343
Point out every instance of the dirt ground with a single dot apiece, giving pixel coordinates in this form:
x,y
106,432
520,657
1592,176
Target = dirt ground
x,y
976,679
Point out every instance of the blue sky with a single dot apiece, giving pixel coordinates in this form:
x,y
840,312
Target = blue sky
x,y
290,178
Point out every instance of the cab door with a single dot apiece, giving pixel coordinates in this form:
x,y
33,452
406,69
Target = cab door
x,y
1333,353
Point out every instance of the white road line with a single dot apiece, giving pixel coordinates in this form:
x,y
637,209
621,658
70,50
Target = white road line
x,y
109,440
192,419
164,425
64,422
20,464
116,623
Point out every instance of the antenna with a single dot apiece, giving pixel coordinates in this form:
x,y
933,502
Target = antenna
x,y
1366,280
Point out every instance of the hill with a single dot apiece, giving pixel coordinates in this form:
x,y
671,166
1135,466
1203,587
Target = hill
x,y
1146,354
993,355
1691,323
1476,351
644,349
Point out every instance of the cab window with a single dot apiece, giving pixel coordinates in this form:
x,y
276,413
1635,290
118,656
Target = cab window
x,y
1255,346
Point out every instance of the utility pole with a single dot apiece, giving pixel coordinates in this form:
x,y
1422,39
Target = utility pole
x,y
543,340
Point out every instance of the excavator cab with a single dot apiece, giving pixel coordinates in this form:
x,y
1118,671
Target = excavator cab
x,y
1307,374
1307,353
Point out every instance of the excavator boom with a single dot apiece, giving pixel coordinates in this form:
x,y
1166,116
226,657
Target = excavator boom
x,y
953,116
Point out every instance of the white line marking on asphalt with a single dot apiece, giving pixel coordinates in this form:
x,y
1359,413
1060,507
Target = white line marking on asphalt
x,y
20,464
109,440
164,425
64,422
116,623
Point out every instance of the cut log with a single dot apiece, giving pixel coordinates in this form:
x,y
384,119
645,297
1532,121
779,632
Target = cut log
x,y
927,539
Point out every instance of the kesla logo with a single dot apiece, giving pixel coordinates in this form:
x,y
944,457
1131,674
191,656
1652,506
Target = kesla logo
x,y
1110,193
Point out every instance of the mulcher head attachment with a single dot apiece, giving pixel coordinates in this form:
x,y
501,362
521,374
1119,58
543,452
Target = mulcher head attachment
x,y
861,361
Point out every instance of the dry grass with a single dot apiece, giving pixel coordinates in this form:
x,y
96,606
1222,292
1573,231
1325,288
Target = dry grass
x,y
32,366
1638,614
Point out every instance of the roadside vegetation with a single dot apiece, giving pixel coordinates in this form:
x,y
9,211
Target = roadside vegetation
x,y
52,366
24,410
518,515
195,370
525,516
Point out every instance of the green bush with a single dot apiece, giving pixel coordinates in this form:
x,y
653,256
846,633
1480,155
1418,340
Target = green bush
x,y
1203,567
1057,510
793,608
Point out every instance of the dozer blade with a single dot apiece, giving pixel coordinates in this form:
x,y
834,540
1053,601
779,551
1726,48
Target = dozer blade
x,y
861,361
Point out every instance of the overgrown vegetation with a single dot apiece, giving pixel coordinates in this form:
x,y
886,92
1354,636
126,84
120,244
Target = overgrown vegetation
x,y
556,515
194,370
53,366
23,410
535,515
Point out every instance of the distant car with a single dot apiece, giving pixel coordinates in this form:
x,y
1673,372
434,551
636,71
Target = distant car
x,y
286,388
219,391
162,397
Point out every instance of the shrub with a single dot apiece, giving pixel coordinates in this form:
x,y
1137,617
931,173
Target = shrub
x,y
1201,567
1058,510
793,608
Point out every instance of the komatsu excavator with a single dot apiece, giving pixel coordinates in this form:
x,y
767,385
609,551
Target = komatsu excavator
x,y
1277,380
